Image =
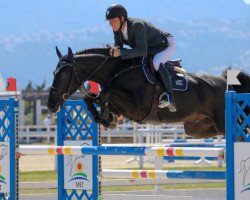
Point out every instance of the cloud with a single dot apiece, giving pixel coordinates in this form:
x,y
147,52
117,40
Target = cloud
x,y
11,41
2,83
217,70
192,28
247,2
242,63
244,60
186,29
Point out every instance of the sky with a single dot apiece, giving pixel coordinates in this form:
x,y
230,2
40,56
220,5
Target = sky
x,y
30,29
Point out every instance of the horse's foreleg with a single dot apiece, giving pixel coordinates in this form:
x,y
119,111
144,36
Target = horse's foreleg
x,y
104,96
97,118
91,107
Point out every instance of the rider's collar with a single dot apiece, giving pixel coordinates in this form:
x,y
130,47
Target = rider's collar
x,y
125,31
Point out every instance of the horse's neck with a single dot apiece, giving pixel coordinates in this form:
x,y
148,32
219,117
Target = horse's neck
x,y
96,67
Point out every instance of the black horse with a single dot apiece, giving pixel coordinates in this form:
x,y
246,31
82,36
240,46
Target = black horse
x,y
127,91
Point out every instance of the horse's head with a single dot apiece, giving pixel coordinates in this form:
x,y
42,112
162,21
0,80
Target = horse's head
x,y
72,70
66,81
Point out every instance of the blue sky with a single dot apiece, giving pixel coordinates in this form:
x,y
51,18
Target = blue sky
x,y
30,16
30,29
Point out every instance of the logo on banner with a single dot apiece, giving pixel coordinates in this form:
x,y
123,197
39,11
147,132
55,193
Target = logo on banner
x,y
3,154
245,171
76,167
2,178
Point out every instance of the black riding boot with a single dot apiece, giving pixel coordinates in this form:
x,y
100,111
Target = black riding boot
x,y
167,98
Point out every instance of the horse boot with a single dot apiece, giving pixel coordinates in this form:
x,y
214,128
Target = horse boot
x,y
167,98
104,95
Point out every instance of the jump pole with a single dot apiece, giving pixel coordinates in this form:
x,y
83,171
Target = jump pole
x,y
163,174
116,150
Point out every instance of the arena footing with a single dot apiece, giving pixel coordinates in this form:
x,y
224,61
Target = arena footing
x,y
175,194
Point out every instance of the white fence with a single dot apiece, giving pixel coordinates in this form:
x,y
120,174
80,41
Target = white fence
x,y
28,134
139,133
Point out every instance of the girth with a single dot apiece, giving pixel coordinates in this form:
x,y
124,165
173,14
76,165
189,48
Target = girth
x,y
152,117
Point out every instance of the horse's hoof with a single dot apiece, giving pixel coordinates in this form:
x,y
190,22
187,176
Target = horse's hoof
x,y
114,118
112,126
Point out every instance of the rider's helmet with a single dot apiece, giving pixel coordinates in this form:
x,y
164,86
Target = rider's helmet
x,y
116,10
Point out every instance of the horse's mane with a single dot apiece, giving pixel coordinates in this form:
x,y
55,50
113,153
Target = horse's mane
x,y
102,51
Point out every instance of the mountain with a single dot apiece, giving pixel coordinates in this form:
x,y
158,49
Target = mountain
x,y
210,35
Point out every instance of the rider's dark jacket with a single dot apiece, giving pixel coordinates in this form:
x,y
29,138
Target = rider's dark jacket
x,y
143,38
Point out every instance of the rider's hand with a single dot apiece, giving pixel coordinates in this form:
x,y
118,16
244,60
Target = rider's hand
x,y
114,52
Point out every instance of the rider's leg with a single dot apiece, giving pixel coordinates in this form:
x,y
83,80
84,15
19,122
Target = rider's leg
x,y
167,98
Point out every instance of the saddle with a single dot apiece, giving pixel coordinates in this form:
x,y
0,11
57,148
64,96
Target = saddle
x,y
177,73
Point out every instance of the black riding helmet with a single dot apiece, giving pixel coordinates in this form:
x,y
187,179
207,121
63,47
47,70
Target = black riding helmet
x,y
116,10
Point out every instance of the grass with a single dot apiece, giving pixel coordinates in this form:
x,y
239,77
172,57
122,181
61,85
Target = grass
x,y
38,176
45,176
166,186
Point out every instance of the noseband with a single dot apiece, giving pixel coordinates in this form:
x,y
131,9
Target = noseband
x,y
74,74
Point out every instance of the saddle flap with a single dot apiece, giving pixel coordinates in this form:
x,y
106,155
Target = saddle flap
x,y
179,80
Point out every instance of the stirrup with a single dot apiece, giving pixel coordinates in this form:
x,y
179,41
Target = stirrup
x,y
166,103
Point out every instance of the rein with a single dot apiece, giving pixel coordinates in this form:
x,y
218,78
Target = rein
x,y
81,87
121,72
106,59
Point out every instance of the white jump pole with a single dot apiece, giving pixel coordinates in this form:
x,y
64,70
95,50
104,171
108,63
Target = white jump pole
x,y
116,150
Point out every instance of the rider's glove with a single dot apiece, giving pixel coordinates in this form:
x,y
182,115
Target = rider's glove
x,y
114,52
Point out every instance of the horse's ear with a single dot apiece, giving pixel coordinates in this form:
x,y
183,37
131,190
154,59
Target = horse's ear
x,y
70,54
58,53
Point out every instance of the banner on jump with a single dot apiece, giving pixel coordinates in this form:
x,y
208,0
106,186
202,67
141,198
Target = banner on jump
x,y
242,170
4,167
78,168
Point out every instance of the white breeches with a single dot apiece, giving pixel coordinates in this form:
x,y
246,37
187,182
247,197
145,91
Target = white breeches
x,y
164,56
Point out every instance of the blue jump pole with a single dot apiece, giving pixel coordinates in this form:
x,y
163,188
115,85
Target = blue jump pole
x,y
230,145
8,125
196,175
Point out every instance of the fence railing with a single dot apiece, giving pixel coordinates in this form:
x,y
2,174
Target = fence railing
x,y
140,133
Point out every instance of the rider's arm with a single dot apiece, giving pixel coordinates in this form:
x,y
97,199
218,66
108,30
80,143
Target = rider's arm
x,y
140,49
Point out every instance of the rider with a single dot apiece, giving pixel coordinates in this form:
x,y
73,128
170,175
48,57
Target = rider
x,y
143,38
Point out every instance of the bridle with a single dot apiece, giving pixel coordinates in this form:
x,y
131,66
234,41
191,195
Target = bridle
x,y
74,74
